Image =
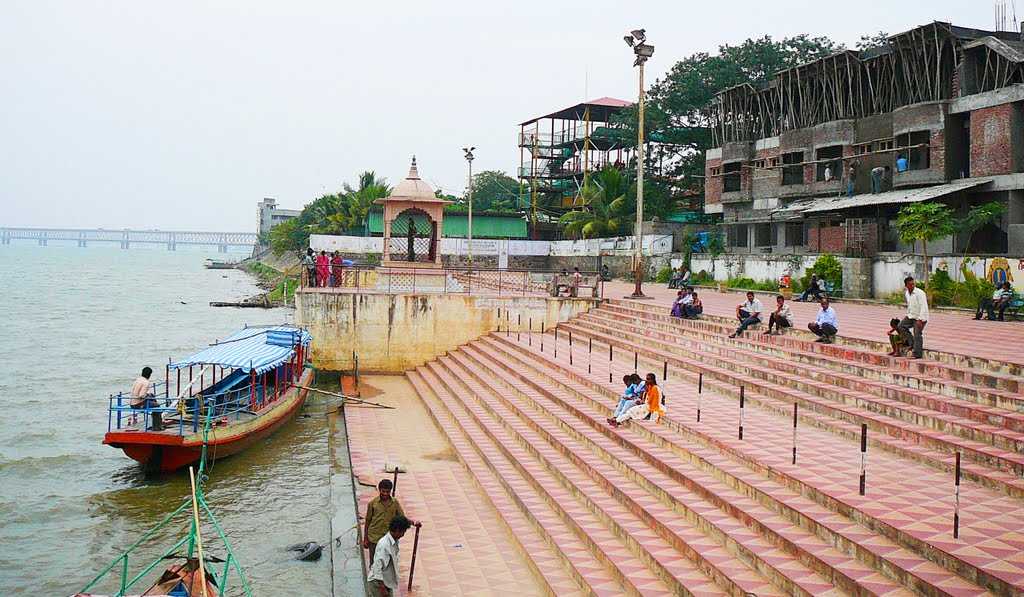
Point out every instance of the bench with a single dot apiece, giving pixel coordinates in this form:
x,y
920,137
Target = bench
x,y
1016,304
560,282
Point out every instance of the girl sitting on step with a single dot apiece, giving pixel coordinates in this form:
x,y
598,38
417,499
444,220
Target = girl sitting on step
x,y
648,403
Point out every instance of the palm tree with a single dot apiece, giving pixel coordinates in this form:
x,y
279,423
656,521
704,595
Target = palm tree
x,y
355,204
601,214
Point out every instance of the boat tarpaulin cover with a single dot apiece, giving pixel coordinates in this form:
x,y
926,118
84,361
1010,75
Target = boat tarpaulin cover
x,y
259,349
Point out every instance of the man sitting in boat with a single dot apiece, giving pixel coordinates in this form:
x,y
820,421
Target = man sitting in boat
x,y
143,397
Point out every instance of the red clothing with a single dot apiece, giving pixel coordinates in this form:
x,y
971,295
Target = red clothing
x,y
336,264
323,270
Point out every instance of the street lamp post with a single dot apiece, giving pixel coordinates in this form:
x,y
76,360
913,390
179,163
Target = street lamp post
x,y
636,40
469,220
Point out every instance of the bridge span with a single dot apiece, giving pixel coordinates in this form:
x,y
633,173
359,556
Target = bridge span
x,y
126,238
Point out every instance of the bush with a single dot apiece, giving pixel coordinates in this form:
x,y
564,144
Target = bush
x,y
703,277
751,284
663,275
941,288
828,269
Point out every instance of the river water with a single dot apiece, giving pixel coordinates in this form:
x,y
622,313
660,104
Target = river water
x,y
79,324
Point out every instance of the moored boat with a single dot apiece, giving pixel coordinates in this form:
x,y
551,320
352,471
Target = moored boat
x,y
247,386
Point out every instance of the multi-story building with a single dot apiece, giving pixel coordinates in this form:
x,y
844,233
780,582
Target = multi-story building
x,y
271,215
937,114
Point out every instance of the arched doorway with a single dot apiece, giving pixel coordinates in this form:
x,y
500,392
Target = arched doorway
x,y
413,237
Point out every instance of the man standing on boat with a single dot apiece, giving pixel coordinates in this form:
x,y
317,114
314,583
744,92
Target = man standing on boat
x,y
142,397
379,513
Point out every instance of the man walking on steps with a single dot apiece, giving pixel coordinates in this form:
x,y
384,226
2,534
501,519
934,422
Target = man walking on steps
x,y
916,319
383,575
379,513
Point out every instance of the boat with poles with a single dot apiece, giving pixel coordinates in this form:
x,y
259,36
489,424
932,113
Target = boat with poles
x,y
245,387
194,573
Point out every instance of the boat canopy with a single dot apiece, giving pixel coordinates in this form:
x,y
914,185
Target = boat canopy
x,y
251,349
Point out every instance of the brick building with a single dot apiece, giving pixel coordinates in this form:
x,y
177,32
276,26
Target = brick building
x,y
792,167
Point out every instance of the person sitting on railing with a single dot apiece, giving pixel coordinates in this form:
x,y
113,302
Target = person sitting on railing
x,y
142,397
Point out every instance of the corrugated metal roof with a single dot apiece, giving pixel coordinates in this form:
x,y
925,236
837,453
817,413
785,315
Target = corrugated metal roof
x,y
806,206
259,349
457,225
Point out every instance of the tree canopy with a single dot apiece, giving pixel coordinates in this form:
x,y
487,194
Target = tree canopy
x,y
493,190
676,110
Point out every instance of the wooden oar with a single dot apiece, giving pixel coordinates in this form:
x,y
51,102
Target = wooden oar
x,y
359,400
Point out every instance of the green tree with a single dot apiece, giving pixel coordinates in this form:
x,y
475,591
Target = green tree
x,y
355,203
286,236
604,205
494,190
925,222
977,218
868,42
676,113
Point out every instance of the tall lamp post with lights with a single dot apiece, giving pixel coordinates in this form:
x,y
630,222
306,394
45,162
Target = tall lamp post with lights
x,y
642,50
469,220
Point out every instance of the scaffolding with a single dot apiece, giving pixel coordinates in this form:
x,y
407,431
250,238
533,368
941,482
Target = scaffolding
x,y
934,62
557,152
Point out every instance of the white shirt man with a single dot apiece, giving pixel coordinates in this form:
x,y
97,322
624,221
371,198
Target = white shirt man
x,y
749,313
140,390
916,319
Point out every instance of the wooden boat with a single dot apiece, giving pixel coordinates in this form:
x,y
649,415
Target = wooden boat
x,y
246,386
215,264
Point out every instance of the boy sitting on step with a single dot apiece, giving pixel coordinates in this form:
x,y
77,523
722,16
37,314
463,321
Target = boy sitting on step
x,y
629,395
648,403
895,339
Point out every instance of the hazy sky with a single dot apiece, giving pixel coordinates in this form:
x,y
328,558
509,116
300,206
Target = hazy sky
x,y
183,115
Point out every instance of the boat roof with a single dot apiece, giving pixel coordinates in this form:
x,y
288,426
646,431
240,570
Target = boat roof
x,y
257,349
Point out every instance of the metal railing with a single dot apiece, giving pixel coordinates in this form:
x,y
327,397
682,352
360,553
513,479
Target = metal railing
x,y
188,413
452,280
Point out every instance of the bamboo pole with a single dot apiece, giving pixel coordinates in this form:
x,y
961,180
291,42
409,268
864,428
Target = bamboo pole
x,y
199,537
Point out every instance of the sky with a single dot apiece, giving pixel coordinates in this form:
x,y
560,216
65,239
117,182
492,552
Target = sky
x,y
183,115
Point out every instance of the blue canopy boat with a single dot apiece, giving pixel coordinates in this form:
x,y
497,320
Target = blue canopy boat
x,y
246,386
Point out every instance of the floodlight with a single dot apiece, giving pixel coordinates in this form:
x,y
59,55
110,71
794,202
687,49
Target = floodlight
x,y
639,34
629,40
644,50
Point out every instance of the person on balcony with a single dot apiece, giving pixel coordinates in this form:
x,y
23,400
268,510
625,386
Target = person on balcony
x,y
901,163
337,264
781,317
748,314
323,269
826,324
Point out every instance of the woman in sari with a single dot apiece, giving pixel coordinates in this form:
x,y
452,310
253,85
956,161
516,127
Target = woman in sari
x,y
323,269
336,265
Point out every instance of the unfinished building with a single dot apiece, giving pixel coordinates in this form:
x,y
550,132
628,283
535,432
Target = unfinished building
x,y
822,157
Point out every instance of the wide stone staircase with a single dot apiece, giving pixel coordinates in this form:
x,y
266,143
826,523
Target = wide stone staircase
x,y
688,507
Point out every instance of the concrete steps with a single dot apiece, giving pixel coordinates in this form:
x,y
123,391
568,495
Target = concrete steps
x,y
802,494
795,560
561,559
996,427
773,390
625,509
985,388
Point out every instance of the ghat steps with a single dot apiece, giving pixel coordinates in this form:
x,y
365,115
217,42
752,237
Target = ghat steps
x,y
685,507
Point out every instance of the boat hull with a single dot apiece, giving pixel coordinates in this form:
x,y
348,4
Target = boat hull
x,y
163,452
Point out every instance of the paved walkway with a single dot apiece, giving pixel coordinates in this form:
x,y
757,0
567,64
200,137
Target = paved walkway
x,y
953,332
464,548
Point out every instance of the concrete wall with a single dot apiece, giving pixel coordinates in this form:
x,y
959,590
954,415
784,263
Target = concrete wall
x,y
396,332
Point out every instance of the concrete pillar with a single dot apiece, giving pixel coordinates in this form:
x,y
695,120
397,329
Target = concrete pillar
x,y
857,277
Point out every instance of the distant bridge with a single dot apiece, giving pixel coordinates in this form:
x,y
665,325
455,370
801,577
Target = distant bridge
x,y
126,238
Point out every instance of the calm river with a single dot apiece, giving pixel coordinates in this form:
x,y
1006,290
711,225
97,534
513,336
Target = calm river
x,y
79,325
